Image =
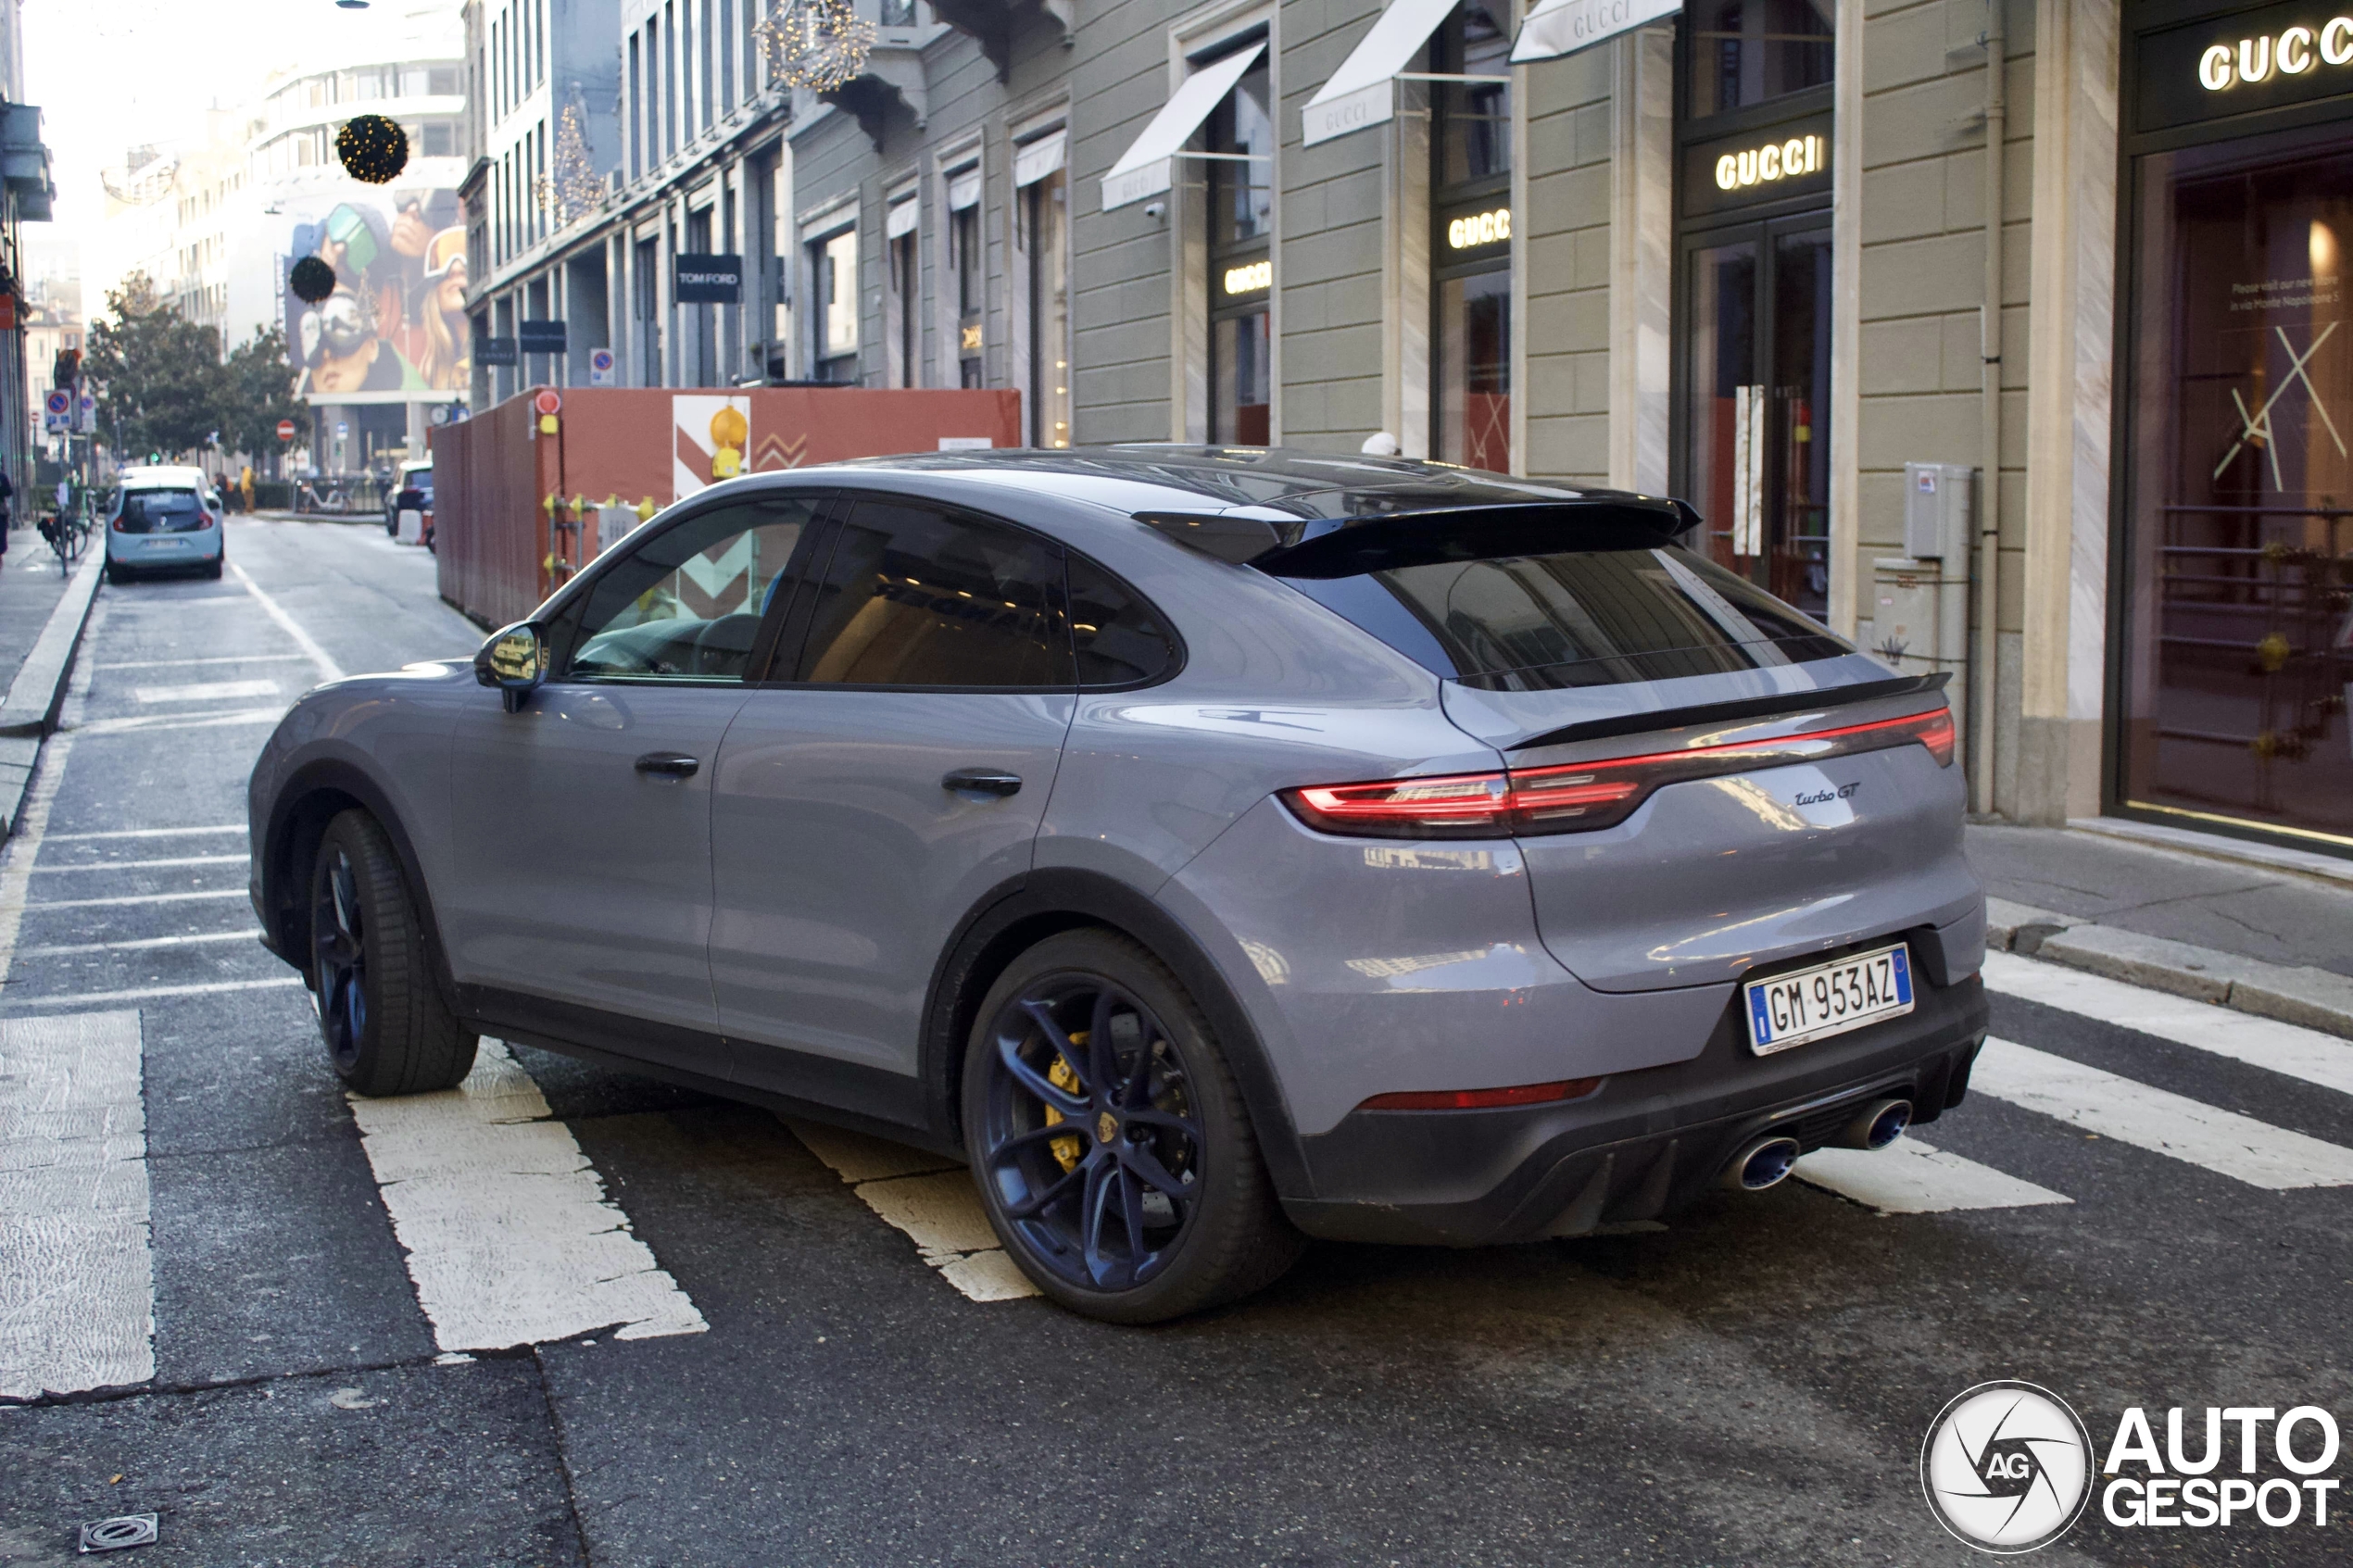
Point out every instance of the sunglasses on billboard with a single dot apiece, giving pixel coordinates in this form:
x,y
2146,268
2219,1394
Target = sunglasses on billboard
x,y
348,229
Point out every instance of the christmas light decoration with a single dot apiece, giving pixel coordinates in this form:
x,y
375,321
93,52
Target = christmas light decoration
x,y
817,44
372,148
576,189
313,280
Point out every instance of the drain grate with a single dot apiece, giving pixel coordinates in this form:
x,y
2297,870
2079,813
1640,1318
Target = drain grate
x,y
113,1534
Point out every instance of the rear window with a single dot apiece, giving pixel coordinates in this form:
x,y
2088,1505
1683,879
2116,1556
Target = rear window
x,y
1542,622
148,511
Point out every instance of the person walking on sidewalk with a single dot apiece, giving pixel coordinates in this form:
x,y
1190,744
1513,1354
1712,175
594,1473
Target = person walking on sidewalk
x,y
7,495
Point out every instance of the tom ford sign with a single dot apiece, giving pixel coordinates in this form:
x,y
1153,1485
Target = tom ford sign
x,y
2259,60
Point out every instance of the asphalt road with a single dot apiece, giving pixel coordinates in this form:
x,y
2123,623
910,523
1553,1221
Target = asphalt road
x,y
817,1384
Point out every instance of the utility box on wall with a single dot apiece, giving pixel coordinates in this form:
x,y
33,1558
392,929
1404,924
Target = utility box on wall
x,y
1938,510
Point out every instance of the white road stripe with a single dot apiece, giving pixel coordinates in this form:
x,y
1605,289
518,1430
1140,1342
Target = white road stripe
x,y
147,865
145,833
145,721
510,1238
214,659
136,899
67,949
928,1197
79,999
206,691
2221,1141
2259,1042
328,669
76,1280
1912,1177
33,820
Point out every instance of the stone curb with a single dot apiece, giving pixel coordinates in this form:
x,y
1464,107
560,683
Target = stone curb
x,y
29,711
2311,999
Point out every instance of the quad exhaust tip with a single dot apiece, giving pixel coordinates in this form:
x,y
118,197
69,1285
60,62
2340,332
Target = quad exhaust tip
x,y
1761,1164
1876,1124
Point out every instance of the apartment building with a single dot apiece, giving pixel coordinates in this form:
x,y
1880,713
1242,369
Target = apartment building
x,y
2006,338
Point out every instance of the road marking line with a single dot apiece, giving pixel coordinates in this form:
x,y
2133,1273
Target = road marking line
x,y
77,1284
75,1000
144,722
147,865
65,949
2221,1141
136,898
1912,1177
213,659
145,833
206,691
929,1198
328,669
33,820
2259,1042
509,1235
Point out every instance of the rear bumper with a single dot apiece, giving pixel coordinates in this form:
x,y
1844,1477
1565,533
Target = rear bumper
x,y
1646,1144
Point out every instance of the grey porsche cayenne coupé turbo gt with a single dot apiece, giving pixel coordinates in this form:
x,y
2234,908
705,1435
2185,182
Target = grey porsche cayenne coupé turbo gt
x,y
1213,847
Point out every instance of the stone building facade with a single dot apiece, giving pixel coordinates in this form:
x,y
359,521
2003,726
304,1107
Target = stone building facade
x,y
1820,266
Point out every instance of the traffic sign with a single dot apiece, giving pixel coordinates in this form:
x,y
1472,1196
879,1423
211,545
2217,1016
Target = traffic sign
x,y
59,402
547,401
600,366
57,411
286,430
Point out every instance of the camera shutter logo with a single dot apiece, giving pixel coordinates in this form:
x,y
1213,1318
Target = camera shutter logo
x,y
2006,1467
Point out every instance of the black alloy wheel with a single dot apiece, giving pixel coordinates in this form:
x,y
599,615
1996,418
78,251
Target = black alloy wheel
x,y
1109,1142
387,1028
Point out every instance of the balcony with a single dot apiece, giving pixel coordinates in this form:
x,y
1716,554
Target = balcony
x,y
993,24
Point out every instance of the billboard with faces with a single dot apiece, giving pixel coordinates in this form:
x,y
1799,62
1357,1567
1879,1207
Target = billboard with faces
x,y
394,330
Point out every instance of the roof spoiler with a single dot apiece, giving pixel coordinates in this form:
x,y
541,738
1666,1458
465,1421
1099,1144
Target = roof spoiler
x,y
1310,546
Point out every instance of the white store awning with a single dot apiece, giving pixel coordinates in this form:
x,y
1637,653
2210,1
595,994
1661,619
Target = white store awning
x,y
1034,160
1361,92
901,219
1563,27
1142,171
963,189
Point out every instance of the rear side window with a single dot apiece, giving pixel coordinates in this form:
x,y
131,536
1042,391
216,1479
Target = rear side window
x,y
1574,618
914,595
1120,639
160,511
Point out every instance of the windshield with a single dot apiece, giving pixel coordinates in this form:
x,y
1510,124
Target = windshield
x,y
160,511
1574,618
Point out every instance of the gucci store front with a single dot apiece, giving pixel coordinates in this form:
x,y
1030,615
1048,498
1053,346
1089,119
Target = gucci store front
x,y
2232,601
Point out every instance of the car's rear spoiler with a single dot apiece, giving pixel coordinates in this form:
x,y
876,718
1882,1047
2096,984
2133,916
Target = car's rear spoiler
x,y
1740,711
1300,546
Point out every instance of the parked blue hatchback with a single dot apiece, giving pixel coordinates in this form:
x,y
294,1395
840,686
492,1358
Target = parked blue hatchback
x,y
163,518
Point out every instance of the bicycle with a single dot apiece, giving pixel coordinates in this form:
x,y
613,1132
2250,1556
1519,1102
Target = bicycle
x,y
68,536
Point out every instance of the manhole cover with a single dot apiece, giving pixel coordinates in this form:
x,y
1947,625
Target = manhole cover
x,y
112,1534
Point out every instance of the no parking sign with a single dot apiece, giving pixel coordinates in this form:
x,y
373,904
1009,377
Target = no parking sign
x,y
600,366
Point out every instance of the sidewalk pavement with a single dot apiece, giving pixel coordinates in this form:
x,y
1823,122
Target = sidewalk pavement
x,y
43,611
2262,931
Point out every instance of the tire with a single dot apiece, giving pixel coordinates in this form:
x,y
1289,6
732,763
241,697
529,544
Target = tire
x,y
385,1025
213,567
1163,1156
118,575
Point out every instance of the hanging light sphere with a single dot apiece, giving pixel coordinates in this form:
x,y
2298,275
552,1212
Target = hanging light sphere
x,y
313,280
817,44
372,148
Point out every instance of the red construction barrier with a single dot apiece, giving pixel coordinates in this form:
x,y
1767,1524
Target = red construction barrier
x,y
511,496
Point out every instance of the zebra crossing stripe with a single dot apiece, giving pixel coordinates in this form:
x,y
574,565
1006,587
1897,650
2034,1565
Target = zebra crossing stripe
x,y
927,1199
77,1297
2279,1048
2163,1122
1912,1177
511,1237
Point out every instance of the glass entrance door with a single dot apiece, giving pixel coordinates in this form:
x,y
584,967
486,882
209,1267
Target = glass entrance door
x,y
1757,384
2238,471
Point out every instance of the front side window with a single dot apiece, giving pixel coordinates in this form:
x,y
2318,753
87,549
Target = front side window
x,y
688,603
914,595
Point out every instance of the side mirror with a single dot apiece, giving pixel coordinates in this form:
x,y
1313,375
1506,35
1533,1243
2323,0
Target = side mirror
x,y
514,660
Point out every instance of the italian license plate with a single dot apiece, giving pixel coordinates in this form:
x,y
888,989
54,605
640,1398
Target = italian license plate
x,y
1829,998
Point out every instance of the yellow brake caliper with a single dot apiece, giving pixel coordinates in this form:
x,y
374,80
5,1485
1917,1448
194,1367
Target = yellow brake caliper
x,y
1064,1150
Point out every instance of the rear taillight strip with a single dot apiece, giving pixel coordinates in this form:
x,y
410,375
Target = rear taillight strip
x,y
1582,796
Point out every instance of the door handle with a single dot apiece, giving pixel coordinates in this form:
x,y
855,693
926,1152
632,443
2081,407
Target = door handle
x,y
670,764
982,781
